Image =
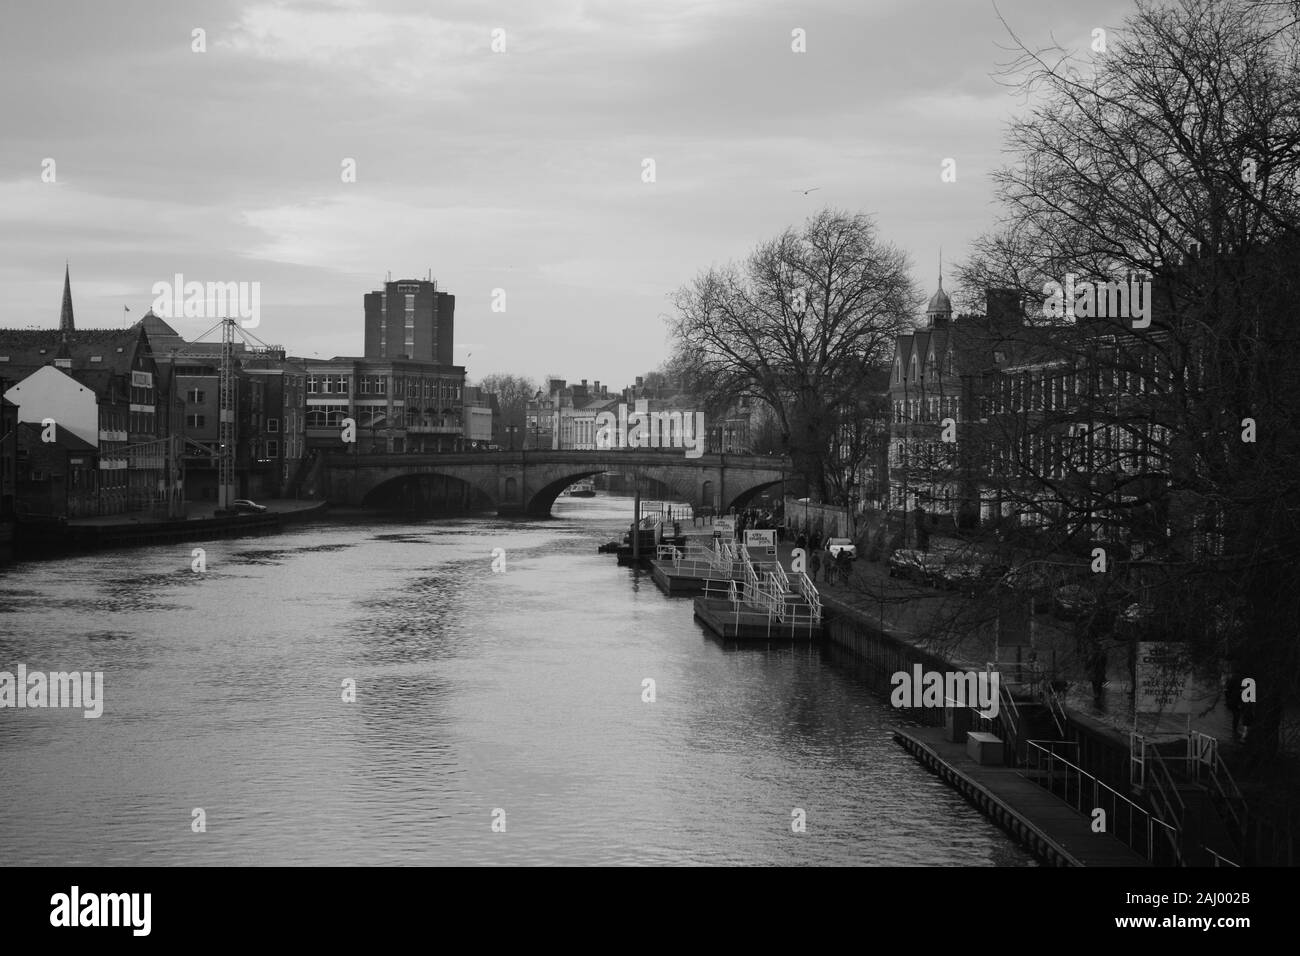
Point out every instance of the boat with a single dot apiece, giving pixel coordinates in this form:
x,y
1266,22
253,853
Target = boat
x,y
582,489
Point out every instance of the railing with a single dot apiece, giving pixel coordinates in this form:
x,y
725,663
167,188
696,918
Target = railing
x,y
669,552
1125,820
1008,711
1204,761
766,589
1165,799
809,592
759,594
779,579
1055,707
1220,860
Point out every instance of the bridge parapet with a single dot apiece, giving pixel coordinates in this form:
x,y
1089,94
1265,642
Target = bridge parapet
x,y
528,482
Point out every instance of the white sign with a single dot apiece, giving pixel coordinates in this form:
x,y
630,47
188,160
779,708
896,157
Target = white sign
x,y
1162,678
760,539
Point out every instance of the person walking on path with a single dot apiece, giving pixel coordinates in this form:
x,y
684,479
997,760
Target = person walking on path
x,y
1097,671
1232,700
843,563
814,565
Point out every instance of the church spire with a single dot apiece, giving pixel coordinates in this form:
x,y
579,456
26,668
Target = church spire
x,y
65,314
939,311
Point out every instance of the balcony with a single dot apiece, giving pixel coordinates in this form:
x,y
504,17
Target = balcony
x,y
433,429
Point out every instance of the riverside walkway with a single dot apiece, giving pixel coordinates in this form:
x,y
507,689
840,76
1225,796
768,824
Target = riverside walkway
x,y
1038,819
956,629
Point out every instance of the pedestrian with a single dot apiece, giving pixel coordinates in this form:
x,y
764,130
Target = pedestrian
x,y
1247,707
815,565
1097,671
842,565
1232,699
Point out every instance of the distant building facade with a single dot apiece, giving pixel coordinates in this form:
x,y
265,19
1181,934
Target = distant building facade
x,y
99,388
410,319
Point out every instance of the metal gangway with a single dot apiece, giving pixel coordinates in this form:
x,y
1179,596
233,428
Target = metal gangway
x,y
765,589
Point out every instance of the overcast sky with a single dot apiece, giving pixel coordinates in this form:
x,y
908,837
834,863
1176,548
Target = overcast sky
x,y
518,170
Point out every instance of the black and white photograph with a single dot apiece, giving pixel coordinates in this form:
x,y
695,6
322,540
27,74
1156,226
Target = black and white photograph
x,y
652,434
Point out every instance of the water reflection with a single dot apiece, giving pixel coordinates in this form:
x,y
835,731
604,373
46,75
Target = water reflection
x,y
474,692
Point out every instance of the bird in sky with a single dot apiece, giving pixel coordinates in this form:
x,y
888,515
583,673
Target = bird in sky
x,y
806,191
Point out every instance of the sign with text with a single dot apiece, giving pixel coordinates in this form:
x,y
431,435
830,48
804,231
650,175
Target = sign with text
x,y
760,539
1163,673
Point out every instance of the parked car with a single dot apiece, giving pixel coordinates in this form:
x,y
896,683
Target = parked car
x,y
969,573
1131,621
1073,601
915,566
1034,582
244,506
836,545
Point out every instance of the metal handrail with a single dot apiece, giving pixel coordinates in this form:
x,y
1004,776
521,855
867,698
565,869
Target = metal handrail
x,y
1034,753
1220,860
758,595
1165,798
1222,783
810,595
779,578
1055,707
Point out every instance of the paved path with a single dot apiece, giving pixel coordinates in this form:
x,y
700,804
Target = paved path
x,y
962,630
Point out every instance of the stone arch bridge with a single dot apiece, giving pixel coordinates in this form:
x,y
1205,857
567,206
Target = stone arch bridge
x,y
528,482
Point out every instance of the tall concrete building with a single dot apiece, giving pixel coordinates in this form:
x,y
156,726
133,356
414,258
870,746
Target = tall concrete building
x,y
410,319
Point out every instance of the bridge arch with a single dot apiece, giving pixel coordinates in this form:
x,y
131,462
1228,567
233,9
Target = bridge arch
x,y
427,492
527,483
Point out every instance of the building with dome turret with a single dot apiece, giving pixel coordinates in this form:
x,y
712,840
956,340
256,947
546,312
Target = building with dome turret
x,y
937,381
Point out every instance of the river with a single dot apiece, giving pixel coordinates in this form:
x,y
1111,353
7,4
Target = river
x,y
481,698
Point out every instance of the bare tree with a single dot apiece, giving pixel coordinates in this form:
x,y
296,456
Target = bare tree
x,y
513,393
800,324
1172,159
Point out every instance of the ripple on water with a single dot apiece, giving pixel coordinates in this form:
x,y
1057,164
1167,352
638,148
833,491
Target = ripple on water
x,y
471,692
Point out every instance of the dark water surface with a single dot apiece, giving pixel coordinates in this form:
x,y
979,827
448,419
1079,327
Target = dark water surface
x,y
475,692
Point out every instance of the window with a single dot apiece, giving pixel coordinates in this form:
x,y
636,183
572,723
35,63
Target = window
x,y
311,384
273,425
195,421
195,396
272,448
